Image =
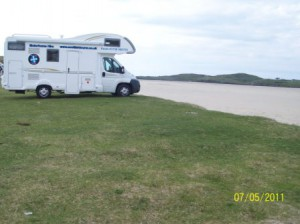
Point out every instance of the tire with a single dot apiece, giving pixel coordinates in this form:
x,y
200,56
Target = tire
x,y
123,90
43,92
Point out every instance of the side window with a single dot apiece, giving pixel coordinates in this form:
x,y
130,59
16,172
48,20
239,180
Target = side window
x,y
53,55
110,65
107,65
16,46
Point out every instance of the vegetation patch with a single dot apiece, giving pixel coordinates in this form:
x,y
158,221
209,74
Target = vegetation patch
x,y
238,79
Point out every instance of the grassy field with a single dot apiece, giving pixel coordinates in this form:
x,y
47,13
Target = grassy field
x,y
102,159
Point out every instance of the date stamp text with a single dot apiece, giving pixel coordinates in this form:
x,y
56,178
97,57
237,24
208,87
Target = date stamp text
x,y
258,197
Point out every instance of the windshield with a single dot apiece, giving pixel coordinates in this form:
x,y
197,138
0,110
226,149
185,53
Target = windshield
x,y
110,65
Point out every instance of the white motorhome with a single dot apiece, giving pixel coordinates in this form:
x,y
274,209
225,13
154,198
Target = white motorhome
x,y
70,65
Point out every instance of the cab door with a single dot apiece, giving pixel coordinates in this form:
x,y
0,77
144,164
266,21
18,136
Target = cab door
x,y
112,72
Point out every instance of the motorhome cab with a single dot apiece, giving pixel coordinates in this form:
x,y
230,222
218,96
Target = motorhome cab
x,y
72,65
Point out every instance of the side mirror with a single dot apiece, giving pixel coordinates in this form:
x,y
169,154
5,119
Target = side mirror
x,y
122,70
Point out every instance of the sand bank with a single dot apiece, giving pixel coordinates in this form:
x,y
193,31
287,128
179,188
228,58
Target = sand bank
x,y
281,104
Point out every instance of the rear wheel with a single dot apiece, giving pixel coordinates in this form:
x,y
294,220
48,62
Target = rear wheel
x,y
123,90
43,91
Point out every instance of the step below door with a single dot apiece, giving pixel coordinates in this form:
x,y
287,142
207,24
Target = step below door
x,y
87,83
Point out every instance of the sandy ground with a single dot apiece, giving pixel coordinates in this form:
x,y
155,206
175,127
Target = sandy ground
x,y
280,104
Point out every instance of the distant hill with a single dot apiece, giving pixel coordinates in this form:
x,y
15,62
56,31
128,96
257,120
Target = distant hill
x,y
238,79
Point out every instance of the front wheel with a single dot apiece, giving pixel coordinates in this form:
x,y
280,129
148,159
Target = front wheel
x,y
123,90
43,91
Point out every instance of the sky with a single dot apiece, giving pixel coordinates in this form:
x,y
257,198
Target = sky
x,y
259,37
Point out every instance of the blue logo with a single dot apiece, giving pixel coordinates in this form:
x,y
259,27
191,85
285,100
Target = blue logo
x,y
34,59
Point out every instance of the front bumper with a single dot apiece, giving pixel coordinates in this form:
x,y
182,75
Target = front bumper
x,y
135,85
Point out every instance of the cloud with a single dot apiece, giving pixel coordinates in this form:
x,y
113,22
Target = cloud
x,y
258,36
246,21
176,36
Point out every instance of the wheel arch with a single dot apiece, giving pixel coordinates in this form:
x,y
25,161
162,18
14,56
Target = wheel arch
x,y
124,83
44,83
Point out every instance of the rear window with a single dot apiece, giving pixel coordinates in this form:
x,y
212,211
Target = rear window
x,y
16,46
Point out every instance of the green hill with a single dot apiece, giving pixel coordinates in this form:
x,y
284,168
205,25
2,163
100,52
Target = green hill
x,y
238,78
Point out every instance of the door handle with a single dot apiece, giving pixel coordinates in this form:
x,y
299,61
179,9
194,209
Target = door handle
x,y
103,74
68,70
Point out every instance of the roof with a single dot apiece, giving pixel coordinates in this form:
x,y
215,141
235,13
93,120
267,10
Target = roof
x,y
98,39
89,39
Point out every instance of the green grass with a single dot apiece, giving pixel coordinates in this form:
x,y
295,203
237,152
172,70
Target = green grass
x,y
102,159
